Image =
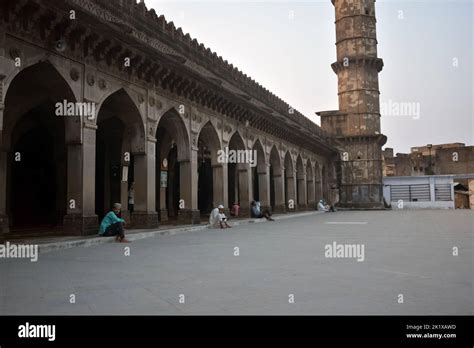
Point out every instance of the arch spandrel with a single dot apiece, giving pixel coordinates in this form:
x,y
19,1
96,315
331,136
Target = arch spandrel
x,y
210,136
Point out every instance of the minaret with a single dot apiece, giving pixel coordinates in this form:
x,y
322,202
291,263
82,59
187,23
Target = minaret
x,y
356,125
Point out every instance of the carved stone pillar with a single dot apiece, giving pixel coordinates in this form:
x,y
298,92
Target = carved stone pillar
x,y
264,186
245,189
311,192
302,202
4,225
188,184
144,212
220,189
81,218
291,191
278,181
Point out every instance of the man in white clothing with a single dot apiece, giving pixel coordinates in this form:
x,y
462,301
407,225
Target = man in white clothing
x,y
218,218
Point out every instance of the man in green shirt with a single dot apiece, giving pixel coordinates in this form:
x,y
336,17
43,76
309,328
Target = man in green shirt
x,y
112,225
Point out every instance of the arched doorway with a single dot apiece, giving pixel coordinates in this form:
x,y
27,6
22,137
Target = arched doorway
x,y
171,149
210,174
34,139
205,178
238,177
120,137
276,182
260,177
290,195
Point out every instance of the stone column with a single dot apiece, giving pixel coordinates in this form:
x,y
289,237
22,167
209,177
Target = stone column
x,y
278,180
144,211
4,225
163,203
264,186
245,188
311,192
125,213
188,186
291,188
471,193
81,218
302,200
219,175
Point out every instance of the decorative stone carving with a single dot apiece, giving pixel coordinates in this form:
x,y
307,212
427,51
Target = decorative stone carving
x,y
74,73
90,79
102,84
151,101
141,99
15,53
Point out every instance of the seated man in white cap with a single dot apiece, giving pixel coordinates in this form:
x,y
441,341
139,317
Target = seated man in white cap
x,y
218,218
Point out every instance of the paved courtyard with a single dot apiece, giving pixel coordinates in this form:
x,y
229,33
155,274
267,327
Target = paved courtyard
x,y
406,252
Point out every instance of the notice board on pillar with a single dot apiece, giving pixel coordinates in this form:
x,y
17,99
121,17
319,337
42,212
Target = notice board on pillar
x,y
124,174
164,179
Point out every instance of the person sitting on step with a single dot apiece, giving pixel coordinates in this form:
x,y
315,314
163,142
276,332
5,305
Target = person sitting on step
x,y
218,218
257,213
112,225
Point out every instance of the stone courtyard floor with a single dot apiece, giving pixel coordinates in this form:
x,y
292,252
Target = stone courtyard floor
x,y
260,268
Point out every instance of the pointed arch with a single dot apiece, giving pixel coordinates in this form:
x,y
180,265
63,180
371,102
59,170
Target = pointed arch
x,y
238,177
210,172
30,123
172,122
290,182
120,138
260,176
209,138
120,105
277,200
172,149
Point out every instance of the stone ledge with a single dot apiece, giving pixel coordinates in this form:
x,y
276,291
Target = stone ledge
x,y
142,234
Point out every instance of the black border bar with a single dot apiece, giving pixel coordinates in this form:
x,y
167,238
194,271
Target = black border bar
x,y
261,330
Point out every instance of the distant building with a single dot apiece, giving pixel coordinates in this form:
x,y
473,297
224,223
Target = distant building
x,y
455,159
420,192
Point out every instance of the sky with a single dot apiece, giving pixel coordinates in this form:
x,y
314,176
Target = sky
x,y
288,46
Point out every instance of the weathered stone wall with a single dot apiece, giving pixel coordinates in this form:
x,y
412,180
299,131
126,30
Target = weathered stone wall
x,y
454,160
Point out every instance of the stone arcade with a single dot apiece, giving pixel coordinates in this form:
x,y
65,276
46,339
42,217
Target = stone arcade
x,y
165,105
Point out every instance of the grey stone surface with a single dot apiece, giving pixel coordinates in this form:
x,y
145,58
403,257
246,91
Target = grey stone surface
x,y
406,252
